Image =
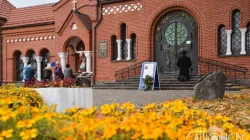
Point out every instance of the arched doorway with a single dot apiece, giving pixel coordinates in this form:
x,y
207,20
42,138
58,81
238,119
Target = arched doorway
x,y
176,31
32,60
18,66
46,59
73,47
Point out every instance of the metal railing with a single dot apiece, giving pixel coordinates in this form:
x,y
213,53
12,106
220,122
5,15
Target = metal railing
x,y
131,71
234,73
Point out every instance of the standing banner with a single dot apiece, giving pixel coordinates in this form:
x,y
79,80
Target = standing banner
x,y
150,69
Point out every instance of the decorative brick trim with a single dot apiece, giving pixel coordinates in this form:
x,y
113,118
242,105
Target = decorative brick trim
x,y
122,8
27,39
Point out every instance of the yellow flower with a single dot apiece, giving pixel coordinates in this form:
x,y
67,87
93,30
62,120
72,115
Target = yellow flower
x,y
25,123
28,134
106,109
109,132
8,115
7,133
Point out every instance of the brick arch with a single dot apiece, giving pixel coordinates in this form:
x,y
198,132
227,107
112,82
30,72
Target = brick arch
x,y
40,52
73,58
163,10
16,51
68,40
28,51
246,23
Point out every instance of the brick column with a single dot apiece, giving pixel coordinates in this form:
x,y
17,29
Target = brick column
x,y
129,48
119,49
229,52
39,67
243,40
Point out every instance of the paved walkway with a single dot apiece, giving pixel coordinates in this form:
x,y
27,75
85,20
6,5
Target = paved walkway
x,y
140,98
137,97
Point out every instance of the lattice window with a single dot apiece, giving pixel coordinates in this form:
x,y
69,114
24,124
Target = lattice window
x,y
236,34
114,47
248,39
133,46
222,40
19,66
124,42
32,61
46,59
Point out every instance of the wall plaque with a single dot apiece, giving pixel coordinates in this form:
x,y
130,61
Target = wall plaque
x,y
103,49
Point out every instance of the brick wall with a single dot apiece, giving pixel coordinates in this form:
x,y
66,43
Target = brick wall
x,y
9,48
208,14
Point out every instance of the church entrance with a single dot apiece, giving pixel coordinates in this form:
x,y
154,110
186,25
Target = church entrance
x,y
75,49
176,31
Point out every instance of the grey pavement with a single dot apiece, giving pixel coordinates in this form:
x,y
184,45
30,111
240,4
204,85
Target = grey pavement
x,y
137,97
140,98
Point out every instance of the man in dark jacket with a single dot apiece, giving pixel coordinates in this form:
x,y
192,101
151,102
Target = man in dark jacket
x,y
47,73
29,73
184,63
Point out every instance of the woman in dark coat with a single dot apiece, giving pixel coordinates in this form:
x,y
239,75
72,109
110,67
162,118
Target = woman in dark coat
x,y
184,63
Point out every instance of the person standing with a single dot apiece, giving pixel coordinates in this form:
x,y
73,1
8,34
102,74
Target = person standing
x,y
68,72
24,73
29,73
58,71
184,63
47,73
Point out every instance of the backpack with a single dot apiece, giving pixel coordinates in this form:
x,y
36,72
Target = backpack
x,y
47,73
58,71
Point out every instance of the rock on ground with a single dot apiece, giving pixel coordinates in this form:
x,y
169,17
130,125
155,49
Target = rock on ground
x,y
211,87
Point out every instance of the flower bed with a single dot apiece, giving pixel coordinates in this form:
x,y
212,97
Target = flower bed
x,y
66,82
169,120
234,106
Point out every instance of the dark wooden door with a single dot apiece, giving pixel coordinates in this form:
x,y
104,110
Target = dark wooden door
x,y
176,31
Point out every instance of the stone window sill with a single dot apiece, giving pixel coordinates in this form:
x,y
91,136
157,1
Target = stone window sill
x,y
133,60
240,55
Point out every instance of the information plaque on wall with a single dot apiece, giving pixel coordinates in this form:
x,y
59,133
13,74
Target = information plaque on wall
x,y
103,49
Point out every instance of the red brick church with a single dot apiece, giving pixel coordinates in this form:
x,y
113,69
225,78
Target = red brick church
x,y
116,34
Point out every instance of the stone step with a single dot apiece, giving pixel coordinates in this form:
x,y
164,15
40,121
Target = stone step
x,y
165,88
162,85
161,80
135,78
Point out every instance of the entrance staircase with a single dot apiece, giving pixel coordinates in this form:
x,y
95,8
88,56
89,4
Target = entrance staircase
x,y
128,78
167,82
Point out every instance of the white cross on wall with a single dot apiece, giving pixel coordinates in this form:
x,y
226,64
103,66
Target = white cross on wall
x,y
74,2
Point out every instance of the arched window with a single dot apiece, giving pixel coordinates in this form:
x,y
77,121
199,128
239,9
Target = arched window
x,y
32,60
18,66
248,39
124,42
114,47
133,45
236,34
46,59
222,40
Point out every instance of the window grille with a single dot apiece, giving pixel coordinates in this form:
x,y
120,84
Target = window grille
x,y
222,40
236,34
